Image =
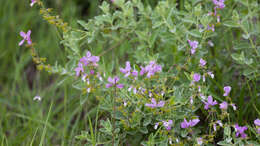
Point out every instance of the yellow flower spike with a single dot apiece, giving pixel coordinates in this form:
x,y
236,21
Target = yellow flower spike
x,y
40,67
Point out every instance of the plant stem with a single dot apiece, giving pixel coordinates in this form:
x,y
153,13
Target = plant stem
x,y
113,118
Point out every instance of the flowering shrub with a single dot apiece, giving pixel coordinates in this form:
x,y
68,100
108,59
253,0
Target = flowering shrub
x,y
182,60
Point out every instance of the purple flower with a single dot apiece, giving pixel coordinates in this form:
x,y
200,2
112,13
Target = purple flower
x,y
223,105
26,37
127,69
168,124
150,69
196,77
199,141
202,62
191,123
220,123
156,125
32,2
258,130
240,131
211,74
154,104
257,122
114,82
234,106
92,72
227,90
219,4
218,19
209,103
203,78
212,27
210,43
214,127
193,45
191,100
37,97
89,59
79,69
135,73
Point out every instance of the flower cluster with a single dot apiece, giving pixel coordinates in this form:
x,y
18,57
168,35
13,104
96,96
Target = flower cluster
x,y
154,104
257,124
193,45
240,130
209,103
87,60
127,70
191,123
114,82
227,90
150,69
26,37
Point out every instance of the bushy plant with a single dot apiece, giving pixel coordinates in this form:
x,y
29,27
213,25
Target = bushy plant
x,y
166,74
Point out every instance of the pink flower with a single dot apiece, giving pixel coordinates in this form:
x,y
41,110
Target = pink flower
x,y
114,82
26,37
191,123
202,62
193,45
209,103
154,104
168,124
79,69
223,105
196,77
227,90
32,2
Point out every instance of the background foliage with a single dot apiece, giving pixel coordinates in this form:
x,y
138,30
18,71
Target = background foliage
x,y
58,118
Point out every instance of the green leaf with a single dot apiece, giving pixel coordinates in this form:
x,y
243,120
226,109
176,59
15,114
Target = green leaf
x,y
147,121
82,136
224,143
195,33
153,38
144,130
105,7
83,24
231,23
83,98
227,131
242,45
249,71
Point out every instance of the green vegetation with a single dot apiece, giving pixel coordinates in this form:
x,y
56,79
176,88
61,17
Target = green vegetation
x,y
91,109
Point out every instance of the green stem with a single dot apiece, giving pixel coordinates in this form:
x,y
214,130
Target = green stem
x,y
113,119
